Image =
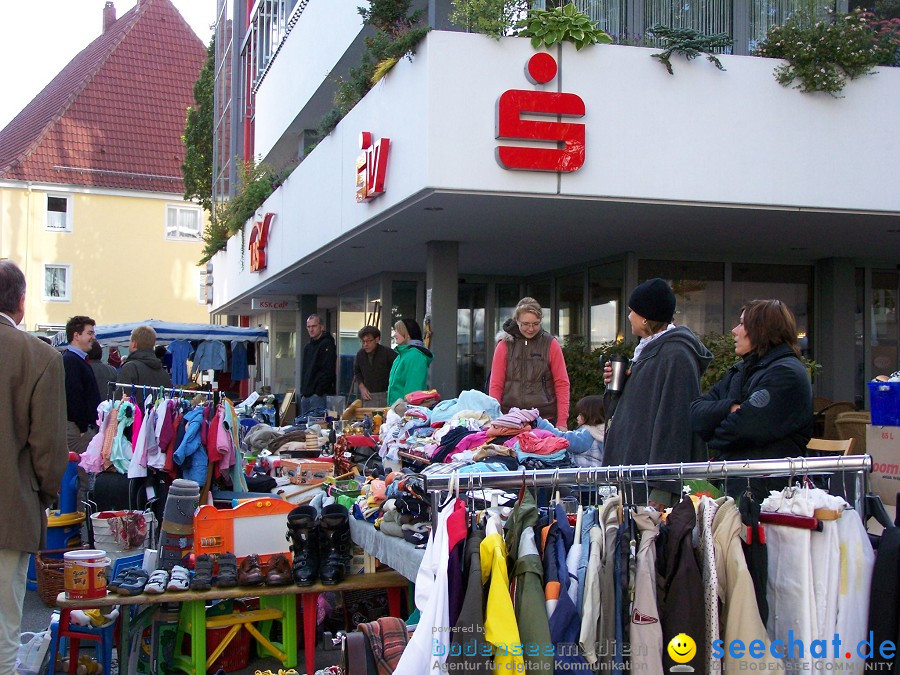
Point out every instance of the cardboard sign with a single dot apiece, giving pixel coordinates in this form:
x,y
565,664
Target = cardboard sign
x,y
883,444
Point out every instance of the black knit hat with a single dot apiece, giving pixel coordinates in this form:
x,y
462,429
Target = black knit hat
x,y
415,333
653,300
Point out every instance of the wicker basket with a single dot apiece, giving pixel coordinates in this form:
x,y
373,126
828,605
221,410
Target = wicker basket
x,y
50,568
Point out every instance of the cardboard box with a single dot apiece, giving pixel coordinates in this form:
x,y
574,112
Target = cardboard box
x,y
304,472
883,444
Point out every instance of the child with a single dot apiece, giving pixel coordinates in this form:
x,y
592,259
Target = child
x,y
586,442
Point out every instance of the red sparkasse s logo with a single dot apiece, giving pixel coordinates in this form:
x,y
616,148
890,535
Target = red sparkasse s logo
x,y
568,137
259,237
371,166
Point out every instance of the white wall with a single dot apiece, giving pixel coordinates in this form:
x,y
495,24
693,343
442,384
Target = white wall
x,y
317,42
700,135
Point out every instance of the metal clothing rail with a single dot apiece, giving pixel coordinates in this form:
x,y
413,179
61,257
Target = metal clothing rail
x,y
149,389
761,468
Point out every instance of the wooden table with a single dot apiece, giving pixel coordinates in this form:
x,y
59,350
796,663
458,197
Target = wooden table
x,y
276,604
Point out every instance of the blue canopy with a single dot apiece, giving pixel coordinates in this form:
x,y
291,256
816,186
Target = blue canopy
x,y
119,334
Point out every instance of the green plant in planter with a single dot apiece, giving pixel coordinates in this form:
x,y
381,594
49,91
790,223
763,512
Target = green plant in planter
x,y
822,53
489,17
689,43
547,27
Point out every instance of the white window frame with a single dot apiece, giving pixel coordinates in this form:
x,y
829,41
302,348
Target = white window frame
x,y
179,208
67,291
70,203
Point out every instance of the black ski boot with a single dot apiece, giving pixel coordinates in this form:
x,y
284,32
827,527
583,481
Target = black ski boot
x,y
336,543
303,533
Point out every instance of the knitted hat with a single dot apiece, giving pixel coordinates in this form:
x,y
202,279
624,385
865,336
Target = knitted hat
x,y
653,300
415,333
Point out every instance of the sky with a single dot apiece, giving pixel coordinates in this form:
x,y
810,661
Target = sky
x,y
41,36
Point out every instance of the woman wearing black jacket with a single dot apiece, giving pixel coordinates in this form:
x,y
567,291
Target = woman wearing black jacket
x,y
762,408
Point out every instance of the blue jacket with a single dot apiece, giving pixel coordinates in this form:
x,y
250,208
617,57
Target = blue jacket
x,y
585,443
191,455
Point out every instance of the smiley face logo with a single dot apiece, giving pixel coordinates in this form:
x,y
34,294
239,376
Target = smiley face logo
x,y
682,648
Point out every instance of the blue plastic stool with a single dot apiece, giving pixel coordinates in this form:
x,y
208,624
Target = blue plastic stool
x,y
104,638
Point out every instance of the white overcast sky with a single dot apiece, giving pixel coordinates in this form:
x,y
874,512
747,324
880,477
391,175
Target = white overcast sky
x,y
41,36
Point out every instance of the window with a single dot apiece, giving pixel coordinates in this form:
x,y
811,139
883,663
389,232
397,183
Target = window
x,y
59,213
183,223
699,292
570,306
58,283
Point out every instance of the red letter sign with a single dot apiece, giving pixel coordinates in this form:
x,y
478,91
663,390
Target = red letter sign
x,y
259,237
371,167
515,103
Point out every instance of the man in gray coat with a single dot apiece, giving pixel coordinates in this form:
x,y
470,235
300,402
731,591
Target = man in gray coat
x,y
143,365
33,453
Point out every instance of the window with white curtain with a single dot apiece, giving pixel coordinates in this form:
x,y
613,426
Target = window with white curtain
x,y
184,223
57,283
59,213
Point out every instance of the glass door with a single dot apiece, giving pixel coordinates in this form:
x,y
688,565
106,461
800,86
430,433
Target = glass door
x,y
471,361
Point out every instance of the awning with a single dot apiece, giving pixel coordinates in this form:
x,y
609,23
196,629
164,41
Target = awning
x,y
119,334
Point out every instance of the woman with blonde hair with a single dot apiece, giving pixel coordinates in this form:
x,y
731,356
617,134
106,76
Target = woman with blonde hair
x,y
529,369
409,372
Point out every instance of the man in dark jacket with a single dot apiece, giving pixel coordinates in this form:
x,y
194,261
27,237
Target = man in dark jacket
x,y
319,374
82,395
372,367
142,365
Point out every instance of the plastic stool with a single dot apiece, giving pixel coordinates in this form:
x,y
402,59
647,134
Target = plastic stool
x,y
105,637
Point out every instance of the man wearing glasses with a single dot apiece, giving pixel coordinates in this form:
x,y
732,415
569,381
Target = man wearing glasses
x,y
372,367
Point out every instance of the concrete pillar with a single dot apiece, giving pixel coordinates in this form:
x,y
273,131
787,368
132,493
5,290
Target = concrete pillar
x,y
441,299
835,342
308,305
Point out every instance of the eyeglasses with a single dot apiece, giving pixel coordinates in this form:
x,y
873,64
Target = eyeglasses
x,y
529,324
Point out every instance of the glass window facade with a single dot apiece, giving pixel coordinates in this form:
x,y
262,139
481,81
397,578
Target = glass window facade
x,y
570,307
604,293
699,291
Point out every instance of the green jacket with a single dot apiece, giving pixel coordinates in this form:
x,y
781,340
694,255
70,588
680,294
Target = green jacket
x,y
409,372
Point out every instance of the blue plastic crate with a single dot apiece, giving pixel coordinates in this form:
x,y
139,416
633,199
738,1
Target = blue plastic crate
x,y
885,401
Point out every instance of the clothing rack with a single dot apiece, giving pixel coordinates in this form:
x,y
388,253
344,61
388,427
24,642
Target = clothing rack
x,y
148,389
760,468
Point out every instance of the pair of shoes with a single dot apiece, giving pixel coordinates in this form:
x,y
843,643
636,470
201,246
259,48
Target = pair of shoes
x,y
179,579
157,583
130,581
227,576
321,548
203,568
279,572
249,572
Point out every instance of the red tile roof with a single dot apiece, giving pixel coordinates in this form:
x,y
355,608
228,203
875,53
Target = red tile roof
x,y
114,116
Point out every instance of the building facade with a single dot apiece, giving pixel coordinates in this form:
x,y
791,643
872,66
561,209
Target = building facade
x,y
91,193
727,184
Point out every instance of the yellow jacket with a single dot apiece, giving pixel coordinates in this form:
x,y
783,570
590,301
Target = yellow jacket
x,y
500,627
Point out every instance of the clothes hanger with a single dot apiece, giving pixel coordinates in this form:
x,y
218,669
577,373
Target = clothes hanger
x,y
790,519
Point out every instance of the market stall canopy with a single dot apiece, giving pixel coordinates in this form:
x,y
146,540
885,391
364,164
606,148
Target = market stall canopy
x,y
119,334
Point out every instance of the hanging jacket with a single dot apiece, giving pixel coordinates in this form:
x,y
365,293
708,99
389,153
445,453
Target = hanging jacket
x,y
565,623
534,628
740,616
409,372
191,455
706,512
645,632
530,373
468,650
429,646
500,626
606,628
857,565
590,611
681,596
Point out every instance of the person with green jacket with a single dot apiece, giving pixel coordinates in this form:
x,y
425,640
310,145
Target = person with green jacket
x,y
409,371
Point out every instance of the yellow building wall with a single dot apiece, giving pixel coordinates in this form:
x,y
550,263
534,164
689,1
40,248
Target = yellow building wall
x,y
123,268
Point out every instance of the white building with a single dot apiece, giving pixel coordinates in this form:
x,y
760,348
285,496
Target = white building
x,y
727,184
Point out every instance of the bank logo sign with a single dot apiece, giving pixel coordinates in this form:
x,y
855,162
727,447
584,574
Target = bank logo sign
x,y
562,143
